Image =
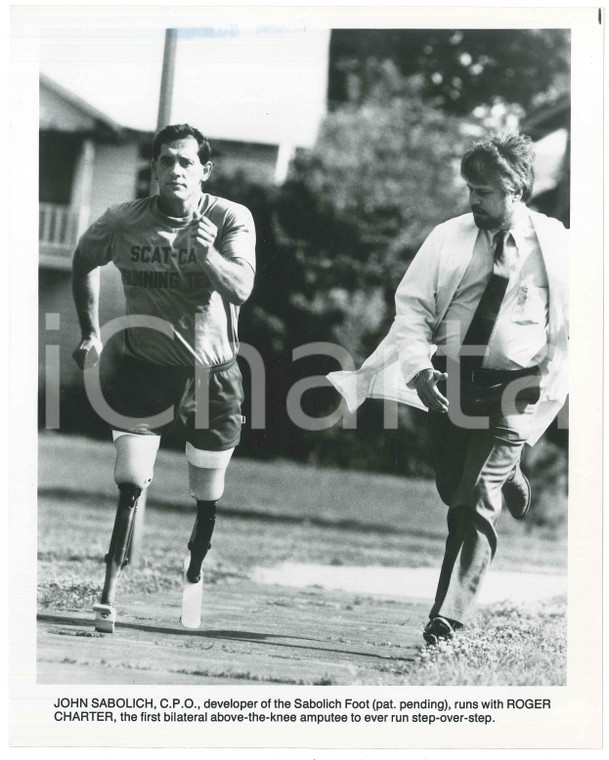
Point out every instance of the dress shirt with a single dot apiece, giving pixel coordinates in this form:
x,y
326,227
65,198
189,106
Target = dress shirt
x,y
519,337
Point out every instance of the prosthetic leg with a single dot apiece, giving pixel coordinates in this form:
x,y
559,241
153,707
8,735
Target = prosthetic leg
x,y
198,545
206,471
133,471
117,557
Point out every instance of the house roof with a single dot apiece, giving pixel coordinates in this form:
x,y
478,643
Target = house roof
x,y
549,127
548,118
549,165
62,109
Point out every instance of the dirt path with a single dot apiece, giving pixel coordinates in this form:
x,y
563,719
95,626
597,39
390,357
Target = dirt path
x,y
250,634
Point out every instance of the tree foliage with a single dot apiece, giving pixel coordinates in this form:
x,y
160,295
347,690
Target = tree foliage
x,y
461,68
358,205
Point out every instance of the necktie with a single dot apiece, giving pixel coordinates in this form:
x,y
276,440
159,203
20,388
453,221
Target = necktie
x,y
485,316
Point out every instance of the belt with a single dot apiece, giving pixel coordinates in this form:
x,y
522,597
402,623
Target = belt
x,y
487,377
219,367
184,368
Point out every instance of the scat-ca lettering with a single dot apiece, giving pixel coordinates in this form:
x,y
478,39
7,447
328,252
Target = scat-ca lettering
x,y
146,254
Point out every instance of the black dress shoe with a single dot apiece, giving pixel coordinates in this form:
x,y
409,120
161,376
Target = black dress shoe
x,y
440,629
517,494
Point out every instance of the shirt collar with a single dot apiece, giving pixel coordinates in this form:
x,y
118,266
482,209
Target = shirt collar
x,y
172,221
519,231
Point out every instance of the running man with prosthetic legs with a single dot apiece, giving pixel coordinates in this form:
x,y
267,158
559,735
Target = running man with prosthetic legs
x,y
187,262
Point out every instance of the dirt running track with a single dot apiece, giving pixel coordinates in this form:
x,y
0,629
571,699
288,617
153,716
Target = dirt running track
x,y
250,633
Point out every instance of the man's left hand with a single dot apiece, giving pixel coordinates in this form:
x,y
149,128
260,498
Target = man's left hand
x,y
204,234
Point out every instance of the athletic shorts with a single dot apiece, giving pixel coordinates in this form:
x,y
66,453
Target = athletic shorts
x,y
142,389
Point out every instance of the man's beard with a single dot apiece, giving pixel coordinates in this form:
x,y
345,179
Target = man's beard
x,y
486,222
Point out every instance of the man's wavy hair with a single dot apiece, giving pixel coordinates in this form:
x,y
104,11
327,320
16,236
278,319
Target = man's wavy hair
x,y
179,132
506,160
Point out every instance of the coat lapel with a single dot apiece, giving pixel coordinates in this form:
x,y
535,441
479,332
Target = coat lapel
x,y
455,258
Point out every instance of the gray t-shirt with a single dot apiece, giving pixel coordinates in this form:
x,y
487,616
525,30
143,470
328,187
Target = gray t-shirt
x,y
163,278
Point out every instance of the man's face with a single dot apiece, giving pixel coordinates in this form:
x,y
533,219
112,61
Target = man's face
x,y
179,171
491,206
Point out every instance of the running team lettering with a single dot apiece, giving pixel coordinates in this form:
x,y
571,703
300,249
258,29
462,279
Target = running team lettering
x,y
171,280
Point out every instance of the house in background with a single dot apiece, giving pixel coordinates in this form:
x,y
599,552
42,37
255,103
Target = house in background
x,y
86,162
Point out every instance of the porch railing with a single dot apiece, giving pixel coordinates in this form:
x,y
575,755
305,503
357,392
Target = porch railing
x,y
57,232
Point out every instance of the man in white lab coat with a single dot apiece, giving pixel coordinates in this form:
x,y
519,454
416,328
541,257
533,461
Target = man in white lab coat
x,y
480,341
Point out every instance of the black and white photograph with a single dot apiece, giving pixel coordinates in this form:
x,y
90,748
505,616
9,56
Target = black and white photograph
x,y
309,416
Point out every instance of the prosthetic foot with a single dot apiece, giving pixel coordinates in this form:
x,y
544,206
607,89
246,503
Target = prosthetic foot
x,y
192,599
199,545
105,617
117,557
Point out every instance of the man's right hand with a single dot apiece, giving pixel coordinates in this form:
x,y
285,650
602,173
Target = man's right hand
x,y
88,352
426,388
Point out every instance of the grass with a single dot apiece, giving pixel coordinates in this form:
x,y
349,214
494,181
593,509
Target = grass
x,y
506,645
321,515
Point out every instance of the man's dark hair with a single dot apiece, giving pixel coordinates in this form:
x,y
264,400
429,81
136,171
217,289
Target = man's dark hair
x,y
179,132
506,160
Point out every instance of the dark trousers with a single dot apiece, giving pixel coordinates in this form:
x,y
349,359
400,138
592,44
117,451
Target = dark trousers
x,y
471,468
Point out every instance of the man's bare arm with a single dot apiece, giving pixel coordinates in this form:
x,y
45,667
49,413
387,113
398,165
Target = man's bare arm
x,y
85,291
232,278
